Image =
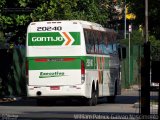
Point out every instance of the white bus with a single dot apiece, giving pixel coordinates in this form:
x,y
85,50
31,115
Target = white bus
x,y
72,59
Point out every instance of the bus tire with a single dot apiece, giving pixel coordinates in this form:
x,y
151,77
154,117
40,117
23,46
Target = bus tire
x,y
111,99
93,100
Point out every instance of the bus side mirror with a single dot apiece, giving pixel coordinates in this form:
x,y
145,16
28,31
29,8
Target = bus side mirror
x,y
122,53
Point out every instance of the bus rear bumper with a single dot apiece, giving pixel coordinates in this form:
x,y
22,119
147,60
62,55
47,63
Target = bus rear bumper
x,y
56,91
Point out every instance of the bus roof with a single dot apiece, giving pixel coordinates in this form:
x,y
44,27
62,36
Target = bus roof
x,y
84,24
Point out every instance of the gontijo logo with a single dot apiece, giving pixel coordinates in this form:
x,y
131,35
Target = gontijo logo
x,y
35,39
54,38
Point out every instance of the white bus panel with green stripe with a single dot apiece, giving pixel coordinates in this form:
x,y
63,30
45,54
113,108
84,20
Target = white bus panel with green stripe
x,y
72,59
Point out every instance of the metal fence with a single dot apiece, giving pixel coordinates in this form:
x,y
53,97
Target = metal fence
x,y
134,66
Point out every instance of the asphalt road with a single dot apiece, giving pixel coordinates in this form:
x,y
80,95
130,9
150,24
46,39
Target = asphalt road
x,y
27,109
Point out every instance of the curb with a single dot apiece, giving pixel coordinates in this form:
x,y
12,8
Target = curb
x,y
137,105
7,99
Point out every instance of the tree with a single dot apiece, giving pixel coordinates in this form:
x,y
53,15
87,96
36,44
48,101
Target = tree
x,y
14,18
138,7
17,14
76,9
135,39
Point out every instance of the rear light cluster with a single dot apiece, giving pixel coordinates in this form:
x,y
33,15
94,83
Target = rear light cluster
x,y
82,72
41,60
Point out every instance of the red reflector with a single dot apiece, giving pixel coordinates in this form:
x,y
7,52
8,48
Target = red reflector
x,y
68,59
55,88
41,60
82,68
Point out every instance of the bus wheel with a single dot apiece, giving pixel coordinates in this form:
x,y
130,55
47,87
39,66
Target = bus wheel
x,y
93,100
111,99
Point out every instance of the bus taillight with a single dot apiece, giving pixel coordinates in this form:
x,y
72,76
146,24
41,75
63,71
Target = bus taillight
x,y
41,60
82,72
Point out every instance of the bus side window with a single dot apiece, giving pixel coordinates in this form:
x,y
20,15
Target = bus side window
x,y
110,43
101,43
92,42
110,48
86,37
96,42
104,44
90,38
115,48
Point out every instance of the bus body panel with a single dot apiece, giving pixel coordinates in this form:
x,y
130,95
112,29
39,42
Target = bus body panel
x,y
47,77
57,91
65,41
54,71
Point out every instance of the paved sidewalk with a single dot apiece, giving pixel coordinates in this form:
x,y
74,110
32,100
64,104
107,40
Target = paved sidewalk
x,y
9,99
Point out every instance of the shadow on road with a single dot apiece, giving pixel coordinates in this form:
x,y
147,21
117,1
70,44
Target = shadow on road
x,y
127,99
32,102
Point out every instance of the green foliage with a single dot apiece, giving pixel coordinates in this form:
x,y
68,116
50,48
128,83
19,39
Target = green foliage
x,y
54,10
6,20
136,38
2,39
17,20
153,41
76,9
138,8
22,19
2,36
2,3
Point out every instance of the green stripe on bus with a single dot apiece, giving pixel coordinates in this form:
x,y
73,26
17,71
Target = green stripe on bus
x,y
76,36
90,63
33,65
